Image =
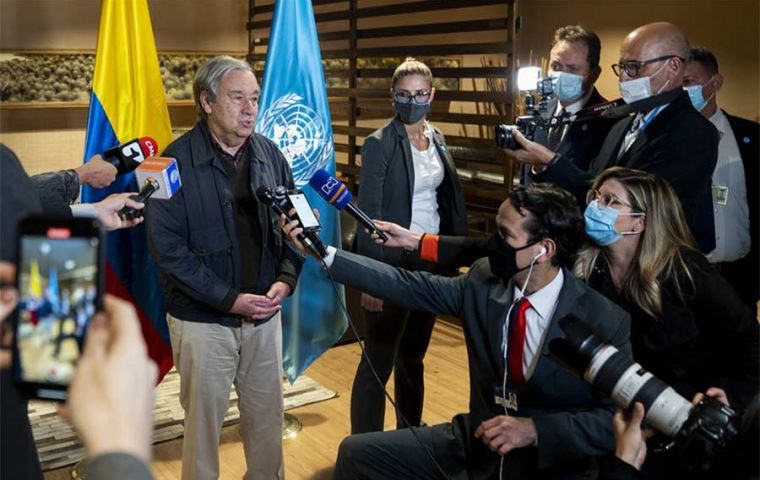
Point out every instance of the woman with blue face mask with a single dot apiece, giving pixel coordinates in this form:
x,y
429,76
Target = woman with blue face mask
x,y
688,326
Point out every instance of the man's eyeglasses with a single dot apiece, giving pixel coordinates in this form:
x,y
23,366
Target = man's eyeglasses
x,y
632,68
605,200
420,97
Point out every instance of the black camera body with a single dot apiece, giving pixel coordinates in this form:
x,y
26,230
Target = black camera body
x,y
534,126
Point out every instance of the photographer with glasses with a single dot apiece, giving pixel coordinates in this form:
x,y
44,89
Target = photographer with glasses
x,y
689,327
665,136
408,177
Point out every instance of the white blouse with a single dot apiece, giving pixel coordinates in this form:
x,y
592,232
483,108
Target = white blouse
x,y
428,175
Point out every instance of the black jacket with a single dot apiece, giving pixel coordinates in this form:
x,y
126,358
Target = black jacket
x,y
193,238
707,338
679,145
747,135
573,420
387,186
584,137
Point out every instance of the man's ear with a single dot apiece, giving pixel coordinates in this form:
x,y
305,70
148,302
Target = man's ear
x,y
718,81
205,102
551,249
593,76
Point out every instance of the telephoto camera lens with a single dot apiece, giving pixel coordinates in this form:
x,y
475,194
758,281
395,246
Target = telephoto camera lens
x,y
618,376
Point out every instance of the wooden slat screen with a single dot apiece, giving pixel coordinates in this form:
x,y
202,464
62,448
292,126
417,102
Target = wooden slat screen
x,y
355,37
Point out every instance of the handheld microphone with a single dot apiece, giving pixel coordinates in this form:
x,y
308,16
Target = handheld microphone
x,y
160,179
336,194
129,155
277,200
149,188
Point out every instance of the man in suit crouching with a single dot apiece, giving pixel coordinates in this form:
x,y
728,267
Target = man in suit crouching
x,y
525,409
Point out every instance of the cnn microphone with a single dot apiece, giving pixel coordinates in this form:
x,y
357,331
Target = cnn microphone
x,y
160,179
277,200
129,155
336,194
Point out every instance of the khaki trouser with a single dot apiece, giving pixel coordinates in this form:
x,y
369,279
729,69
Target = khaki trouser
x,y
209,358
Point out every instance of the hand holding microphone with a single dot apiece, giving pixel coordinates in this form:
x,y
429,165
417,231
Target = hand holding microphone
x,y
159,177
101,170
336,194
278,200
150,187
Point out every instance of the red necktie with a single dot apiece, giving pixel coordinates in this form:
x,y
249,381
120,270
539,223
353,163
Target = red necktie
x,y
516,344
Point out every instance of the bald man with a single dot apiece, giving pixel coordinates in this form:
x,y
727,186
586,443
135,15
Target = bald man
x,y
671,140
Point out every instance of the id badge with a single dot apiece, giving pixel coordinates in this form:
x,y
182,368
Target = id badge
x,y
507,399
720,194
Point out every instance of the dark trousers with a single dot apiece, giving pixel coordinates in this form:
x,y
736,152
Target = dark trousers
x,y
398,455
18,453
394,337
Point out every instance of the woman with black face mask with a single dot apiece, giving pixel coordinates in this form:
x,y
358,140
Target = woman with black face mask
x,y
408,177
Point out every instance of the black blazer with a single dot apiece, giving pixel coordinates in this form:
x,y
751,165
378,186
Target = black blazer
x,y
387,186
679,145
707,338
747,135
573,419
584,137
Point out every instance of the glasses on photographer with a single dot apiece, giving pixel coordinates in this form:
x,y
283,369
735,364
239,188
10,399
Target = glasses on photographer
x,y
419,97
605,200
633,68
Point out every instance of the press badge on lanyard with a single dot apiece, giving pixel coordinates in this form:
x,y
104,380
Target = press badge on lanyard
x,y
508,398
720,194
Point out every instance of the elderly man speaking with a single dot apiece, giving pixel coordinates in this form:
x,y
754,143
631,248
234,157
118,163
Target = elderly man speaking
x,y
225,271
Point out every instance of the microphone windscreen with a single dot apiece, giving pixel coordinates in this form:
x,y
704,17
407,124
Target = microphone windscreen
x,y
331,189
149,146
162,169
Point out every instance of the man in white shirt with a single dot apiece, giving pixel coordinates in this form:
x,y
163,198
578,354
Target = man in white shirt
x,y
734,180
526,411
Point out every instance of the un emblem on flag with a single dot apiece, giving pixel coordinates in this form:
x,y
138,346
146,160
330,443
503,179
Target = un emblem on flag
x,y
300,134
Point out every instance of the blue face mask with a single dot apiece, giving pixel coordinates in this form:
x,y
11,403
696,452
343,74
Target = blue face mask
x,y
600,224
567,86
696,96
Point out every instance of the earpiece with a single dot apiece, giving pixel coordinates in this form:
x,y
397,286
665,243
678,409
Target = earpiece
x,y
540,253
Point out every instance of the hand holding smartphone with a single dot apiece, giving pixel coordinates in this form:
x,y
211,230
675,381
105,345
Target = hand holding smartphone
x,y
60,279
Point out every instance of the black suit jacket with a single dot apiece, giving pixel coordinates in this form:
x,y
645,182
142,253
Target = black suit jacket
x,y
387,186
584,137
747,134
706,338
679,145
573,420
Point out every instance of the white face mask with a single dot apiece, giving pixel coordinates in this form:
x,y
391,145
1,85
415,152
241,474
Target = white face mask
x,y
639,88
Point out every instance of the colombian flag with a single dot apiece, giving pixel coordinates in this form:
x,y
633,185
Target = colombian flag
x,y
128,101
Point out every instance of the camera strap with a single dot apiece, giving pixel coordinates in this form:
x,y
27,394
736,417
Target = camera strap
x,y
619,109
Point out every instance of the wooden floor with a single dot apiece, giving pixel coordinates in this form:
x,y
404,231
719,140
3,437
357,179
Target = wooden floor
x,y
312,454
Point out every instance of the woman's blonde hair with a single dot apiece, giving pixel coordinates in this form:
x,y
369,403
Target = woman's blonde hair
x,y
660,252
412,66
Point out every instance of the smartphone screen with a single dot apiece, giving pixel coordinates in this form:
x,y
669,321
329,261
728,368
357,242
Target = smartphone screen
x,y
304,211
59,278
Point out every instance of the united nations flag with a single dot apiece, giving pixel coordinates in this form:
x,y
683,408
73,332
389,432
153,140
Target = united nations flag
x,y
294,114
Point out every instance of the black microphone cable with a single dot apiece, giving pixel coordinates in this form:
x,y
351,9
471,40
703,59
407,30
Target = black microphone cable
x,y
377,377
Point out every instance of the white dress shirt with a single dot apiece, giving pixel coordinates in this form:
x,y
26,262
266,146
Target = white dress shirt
x,y
428,175
543,303
729,189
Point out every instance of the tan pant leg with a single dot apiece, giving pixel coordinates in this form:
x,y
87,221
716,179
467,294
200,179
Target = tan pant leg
x,y
206,356
259,388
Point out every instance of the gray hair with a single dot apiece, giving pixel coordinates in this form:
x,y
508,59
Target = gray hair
x,y
210,74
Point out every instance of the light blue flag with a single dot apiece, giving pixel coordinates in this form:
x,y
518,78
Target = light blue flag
x,y
294,114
